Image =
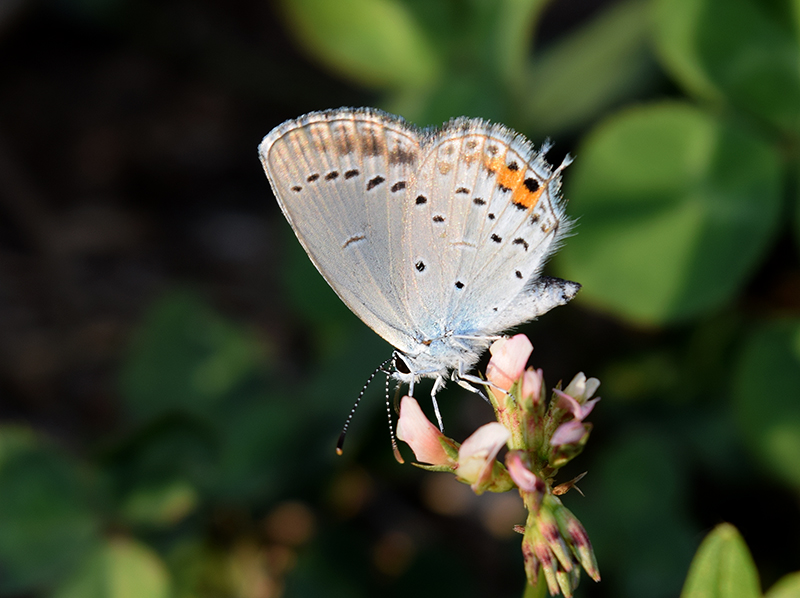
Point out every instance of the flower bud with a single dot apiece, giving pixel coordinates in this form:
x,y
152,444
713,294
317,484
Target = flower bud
x,y
509,357
577,537
567,442
571,432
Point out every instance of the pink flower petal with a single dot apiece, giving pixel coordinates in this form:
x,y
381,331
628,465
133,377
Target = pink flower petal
x,y
476,456
568,433
420,434
523,477
509,357
578,411
532,385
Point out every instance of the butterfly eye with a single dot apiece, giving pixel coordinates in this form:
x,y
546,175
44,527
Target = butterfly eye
x,y
400,365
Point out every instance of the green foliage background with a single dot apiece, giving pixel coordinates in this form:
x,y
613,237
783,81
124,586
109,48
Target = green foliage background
x,y
684,117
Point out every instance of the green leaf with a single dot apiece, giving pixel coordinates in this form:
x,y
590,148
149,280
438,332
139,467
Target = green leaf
x,y
786,587
766,397
740,51
46,521
722,568
586,72
637,513
796,214
511,33
160,505
377,43
675,209
121,568
185,358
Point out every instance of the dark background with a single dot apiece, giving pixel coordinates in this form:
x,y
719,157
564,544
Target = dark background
x,y
174,373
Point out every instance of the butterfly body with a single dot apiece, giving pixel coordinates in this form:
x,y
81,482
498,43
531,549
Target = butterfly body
x,y
435,238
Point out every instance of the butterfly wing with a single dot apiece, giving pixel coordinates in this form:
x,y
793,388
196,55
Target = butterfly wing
x,y
340,178
518,227
487,214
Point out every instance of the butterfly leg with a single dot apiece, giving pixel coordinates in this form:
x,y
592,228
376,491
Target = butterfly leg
x,y
437,386
462,382
476,380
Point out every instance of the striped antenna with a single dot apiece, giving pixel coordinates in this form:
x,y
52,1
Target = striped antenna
x,y
340,443
395,450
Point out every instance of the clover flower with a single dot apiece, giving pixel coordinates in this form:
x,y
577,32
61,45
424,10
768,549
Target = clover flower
x,y
541,437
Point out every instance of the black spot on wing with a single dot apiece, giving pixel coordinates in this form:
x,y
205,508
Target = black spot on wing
x,y
520,241
398,186
374,182
351,173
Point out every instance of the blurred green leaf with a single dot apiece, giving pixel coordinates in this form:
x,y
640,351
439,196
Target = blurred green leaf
x,y
258,441
200,570
458,92
47,523
786,587
722,568
510,39
162,505
377,43
638,482
675,210
796,215
642,376
185,358
121,568
176,451
741,51
584,73
766,392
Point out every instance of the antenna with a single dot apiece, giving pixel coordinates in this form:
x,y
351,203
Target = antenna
x,y
380,368
398,457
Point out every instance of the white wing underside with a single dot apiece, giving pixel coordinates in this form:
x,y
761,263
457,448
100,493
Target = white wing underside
x,y
423,234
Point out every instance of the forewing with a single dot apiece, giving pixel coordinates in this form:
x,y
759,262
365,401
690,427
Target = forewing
x,y
340,178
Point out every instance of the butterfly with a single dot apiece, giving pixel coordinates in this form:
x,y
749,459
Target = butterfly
x,y
435,238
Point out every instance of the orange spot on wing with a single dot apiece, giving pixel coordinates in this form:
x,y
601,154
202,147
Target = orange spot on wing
x,y
513,179
526,198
